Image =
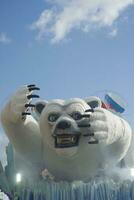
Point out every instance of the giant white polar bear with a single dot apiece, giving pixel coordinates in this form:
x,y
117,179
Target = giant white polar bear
x,y
70,139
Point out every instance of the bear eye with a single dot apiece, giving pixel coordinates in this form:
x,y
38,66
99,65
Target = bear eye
x,y
76,115
53,117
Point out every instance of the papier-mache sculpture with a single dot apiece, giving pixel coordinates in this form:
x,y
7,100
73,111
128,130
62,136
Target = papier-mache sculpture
x,y
73,139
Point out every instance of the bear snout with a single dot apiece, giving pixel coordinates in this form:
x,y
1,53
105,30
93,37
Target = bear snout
x,y
64,124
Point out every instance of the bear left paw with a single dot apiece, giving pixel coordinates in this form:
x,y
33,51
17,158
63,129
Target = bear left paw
x,y
98,126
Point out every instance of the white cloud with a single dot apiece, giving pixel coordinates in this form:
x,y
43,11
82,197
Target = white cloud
x,y
113,33
43,24
4,39
66,15
3,144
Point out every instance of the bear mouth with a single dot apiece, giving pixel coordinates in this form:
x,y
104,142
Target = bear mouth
x,y
66,140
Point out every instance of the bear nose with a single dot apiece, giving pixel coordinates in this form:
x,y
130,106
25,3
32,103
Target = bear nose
x,y
64,124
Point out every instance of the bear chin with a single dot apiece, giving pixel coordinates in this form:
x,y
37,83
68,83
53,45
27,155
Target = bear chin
x,y
66,152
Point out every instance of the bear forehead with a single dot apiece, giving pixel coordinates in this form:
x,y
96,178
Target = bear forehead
x,y
64,103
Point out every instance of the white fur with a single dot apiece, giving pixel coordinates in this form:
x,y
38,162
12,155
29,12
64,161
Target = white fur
x,y
34,143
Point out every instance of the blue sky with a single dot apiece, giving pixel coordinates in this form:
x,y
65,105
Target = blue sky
x,y
68,48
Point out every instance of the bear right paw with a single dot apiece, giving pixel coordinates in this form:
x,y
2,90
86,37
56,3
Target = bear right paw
x,y
20,103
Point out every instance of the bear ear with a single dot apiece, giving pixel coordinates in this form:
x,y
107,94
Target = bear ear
x,y
93,102
39,106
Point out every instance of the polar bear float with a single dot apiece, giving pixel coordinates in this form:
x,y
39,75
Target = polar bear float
x,y
74,139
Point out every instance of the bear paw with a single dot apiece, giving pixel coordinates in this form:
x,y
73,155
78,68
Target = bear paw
x,y
97,125
20,103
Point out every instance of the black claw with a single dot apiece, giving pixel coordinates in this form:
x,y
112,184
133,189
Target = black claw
x,y
84,125
88,134
90,110
85,116
32,96
91,134
26,113
29,105
32,85
33,88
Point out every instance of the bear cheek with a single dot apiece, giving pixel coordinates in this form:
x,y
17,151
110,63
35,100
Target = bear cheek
x,y
46,131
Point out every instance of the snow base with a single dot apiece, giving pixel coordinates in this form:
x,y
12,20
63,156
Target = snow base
x,y
98,189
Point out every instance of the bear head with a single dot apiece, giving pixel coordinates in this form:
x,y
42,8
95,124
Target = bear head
x,y
60,122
